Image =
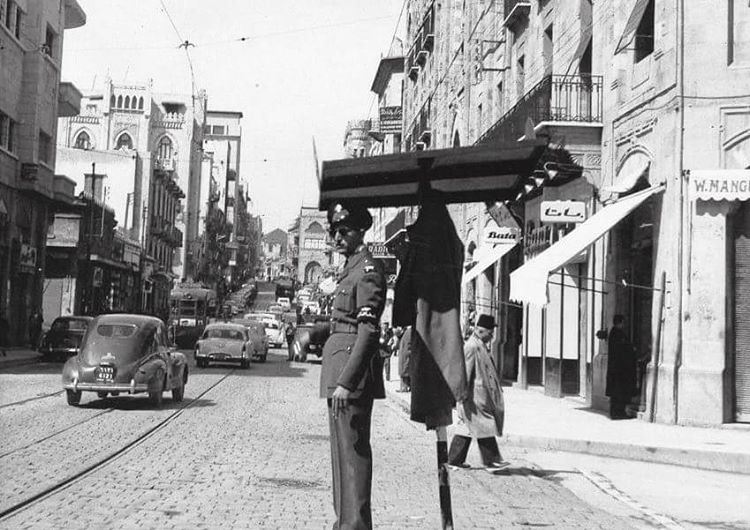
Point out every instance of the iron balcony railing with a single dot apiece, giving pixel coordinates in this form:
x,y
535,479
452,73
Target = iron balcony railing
x,y
556,98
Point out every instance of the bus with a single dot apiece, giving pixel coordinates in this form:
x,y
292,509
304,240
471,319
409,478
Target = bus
x,y
284,289
190,307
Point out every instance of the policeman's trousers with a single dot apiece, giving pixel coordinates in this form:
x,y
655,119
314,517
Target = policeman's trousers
x,y
351,463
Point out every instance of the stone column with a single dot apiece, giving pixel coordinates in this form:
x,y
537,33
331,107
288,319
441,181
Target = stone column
x,y
702,390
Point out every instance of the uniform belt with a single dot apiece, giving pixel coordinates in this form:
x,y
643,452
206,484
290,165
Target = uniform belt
x,y
343,327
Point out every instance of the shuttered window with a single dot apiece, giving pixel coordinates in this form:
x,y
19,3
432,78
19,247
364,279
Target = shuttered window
x,y
742,313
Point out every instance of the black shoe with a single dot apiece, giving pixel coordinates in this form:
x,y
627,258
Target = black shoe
x,y
462,465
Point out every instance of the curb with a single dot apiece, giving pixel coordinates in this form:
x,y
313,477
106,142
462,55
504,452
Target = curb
x,y
694,458
20,361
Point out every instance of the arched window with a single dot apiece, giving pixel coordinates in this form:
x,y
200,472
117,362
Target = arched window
x,y
127,102
140,103
124,142
165,148
315,228
83,141
119,102
112,101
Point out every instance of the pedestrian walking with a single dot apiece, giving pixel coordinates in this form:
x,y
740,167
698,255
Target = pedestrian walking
x,y
4,335
404,357
35,328
622,364
386,334
289,334
482,413
351,375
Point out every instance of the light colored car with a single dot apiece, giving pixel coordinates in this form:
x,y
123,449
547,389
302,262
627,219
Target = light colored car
x,y
258,335
275,333
284,302
224,342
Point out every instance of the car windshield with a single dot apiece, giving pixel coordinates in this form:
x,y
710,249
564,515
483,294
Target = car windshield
x,y
62,325
223,333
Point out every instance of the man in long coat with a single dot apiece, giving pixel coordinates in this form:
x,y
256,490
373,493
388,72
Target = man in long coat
x,y
482,413
621,369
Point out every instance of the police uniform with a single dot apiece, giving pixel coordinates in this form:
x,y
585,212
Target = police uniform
x,y
351,360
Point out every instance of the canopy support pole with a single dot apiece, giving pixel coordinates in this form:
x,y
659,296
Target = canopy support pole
x,y
446,511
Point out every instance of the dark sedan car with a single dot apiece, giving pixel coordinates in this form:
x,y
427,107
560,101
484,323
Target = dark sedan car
x,y
308,341
125,354
64,337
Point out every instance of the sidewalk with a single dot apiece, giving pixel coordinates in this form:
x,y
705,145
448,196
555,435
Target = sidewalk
x,y
17,356
533,420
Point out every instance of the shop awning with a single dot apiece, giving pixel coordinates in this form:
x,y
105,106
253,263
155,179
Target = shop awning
x,y
464,174
528,283
631,26
491,257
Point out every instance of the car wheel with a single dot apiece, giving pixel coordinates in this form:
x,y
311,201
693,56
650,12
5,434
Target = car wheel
x,y
102,395
74,397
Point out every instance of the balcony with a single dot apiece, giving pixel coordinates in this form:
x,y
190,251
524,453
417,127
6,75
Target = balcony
x,y
516,11
68,100
75,17
90,120
556,99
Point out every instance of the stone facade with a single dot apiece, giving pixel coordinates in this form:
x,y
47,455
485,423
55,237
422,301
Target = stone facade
x,y
604,84
31,95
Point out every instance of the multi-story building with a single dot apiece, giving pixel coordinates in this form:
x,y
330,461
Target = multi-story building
x,y
31,99
275,253
603,84
147,146
315,256
223,142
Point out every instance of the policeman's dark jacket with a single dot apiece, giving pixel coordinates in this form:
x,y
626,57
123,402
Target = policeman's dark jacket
x,y
350,355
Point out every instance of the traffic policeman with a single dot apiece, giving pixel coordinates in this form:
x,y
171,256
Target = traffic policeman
x,y
352,371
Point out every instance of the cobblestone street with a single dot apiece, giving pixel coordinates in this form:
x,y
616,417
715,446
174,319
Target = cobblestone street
x,y
252,452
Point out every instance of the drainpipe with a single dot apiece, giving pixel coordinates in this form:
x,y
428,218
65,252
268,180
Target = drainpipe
x,y
680,57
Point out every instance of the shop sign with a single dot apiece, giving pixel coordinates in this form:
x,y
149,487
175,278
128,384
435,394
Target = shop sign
x,y
720,185
27,258
562,212
379,250
390,120
502,216
503,234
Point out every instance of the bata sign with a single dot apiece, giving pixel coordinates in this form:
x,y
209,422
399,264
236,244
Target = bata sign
x,y
720,185
501,234
562,212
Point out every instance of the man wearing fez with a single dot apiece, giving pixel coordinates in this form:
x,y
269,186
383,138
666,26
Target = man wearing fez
x,y
481,415
351,374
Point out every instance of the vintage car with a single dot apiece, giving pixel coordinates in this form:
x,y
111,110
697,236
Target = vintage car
x,y
275,333
258,336
123,353
308,341
63,339
224,342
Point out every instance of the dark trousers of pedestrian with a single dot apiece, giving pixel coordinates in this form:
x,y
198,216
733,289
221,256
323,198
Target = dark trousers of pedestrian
x,y
351,463
488,449
387,367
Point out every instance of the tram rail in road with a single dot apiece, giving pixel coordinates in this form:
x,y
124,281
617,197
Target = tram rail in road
x,y
112,457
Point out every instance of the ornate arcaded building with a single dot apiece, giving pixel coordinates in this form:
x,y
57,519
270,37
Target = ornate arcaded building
x,y
147,146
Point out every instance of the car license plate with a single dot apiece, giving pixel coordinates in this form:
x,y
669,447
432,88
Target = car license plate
x,y
105,373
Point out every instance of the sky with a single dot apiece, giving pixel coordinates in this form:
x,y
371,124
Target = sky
x,y
304,69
